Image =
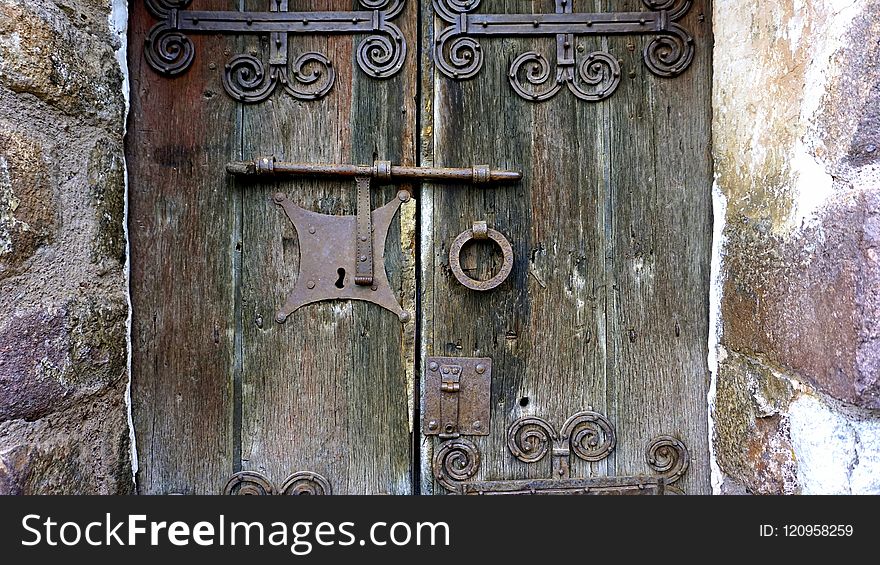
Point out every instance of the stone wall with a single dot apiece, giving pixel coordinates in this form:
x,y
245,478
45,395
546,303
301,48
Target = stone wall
x,y
63,305
796,303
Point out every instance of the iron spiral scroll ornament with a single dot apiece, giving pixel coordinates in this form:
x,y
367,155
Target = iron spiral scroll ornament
x,y
250,79
591,76
455,461
588,434
297,484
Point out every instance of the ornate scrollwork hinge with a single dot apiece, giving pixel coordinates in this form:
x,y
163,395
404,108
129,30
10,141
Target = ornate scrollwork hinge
x,y
589,435
592,77
310,76
299,483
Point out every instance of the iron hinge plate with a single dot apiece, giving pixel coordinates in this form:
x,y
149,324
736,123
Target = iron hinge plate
x,y
457,396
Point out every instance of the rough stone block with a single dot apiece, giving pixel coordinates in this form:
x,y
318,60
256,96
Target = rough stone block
x,y
106,177
51,358
84,450
27,203
810,301
752,439
44,54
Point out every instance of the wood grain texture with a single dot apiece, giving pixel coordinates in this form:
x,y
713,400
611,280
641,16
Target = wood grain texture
x,y
607,303
181,222
327,391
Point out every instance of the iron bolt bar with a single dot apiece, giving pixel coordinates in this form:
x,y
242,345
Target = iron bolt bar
x,y
381,171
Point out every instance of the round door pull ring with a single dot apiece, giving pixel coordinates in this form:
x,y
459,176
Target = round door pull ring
x,y
480,231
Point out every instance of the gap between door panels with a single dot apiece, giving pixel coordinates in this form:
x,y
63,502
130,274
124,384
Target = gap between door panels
x,y
415,468
237,250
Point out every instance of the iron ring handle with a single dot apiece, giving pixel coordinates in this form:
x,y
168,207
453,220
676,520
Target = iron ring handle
x,y
480,231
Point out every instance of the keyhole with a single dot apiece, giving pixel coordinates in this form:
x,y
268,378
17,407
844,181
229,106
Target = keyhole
x,y
340,283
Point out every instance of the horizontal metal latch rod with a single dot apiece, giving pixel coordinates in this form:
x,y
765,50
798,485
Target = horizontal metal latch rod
x,y
380,170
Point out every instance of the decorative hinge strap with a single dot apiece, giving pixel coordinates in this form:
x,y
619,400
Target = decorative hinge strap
x,y
249,78
590,76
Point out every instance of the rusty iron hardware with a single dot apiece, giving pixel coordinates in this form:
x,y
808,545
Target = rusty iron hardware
x,y
480,231
589,435
380,170
299,483
591,77
457,396
333,249
170,51
455,461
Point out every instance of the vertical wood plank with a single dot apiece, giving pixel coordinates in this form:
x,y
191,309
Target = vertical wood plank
x,y
660,180
181,221
327,391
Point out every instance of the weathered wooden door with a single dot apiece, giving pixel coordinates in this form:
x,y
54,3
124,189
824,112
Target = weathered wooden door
x,y
597,339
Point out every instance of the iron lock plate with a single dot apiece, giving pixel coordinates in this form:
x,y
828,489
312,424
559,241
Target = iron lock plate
x,y
457,398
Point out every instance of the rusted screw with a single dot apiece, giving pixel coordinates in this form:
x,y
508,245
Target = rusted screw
x,y
480,369
404,195
280,197
433,366
478,425
432,425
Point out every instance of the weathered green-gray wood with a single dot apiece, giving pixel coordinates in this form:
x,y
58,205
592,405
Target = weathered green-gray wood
x,y
607,303
181,222
660,196
327,391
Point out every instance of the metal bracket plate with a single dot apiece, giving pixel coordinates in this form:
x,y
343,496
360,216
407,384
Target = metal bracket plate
x,y
457,398
328,259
